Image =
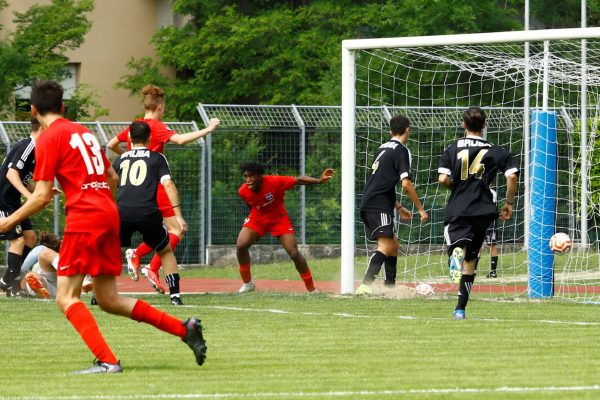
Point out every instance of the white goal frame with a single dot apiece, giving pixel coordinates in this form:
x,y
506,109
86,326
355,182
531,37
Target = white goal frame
x,y
349,103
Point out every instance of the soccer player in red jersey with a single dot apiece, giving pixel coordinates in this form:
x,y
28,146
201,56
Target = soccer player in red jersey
x,y
71,154
264,196
154,108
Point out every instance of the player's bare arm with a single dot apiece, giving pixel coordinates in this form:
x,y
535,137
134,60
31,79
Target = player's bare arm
x,y
13,177
173,196
410,191
190,137
40,197
511,189
445,181
327,174
112,179
404,213
115,145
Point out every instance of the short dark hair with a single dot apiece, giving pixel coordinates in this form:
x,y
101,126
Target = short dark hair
x,y
474,119
253,168
50,240
399,124
139,132
35,124
47,97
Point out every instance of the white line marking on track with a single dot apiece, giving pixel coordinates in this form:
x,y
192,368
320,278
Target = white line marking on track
x,y
360,393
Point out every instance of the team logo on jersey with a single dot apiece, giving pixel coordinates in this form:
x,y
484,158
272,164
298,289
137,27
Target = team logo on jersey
x,y
269,196
18,229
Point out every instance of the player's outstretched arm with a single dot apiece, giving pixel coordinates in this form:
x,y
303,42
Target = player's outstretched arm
x,y
40,197
115,145
511,190
410,191
190,137
327,174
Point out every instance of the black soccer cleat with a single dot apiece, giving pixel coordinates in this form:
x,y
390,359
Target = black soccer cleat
x,y
176,301
492,274
193,338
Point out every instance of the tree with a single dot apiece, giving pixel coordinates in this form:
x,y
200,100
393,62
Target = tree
x,y
36,48
265,52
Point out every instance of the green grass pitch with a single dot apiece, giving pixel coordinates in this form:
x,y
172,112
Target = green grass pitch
x,y
299,346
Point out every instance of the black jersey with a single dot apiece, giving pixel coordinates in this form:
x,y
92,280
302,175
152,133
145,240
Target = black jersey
x,y
21,158
140,172
392,164
472,163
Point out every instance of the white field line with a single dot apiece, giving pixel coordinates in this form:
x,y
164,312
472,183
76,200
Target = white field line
x,y
407,317
330,394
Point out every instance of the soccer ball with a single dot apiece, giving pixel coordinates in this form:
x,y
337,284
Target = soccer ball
x,y
424,289
560,242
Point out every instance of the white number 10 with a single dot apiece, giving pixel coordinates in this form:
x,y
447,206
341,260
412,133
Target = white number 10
x,y
83,142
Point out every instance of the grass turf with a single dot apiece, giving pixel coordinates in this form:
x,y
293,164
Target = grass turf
x,y
269,345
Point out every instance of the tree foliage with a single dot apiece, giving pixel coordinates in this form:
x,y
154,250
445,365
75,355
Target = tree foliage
x,y
36,48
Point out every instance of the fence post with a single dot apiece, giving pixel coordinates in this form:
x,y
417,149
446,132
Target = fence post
x,y
302,127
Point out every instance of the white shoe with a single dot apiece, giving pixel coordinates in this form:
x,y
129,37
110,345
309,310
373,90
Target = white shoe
x,y
247,287
133,264
87,284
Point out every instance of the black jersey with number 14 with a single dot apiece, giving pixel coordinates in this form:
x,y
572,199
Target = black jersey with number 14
x,y
472,163
140,172
391,165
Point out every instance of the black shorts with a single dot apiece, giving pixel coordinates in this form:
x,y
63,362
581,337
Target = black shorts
x,y
154,234
468,232
378,224
18,229
491,236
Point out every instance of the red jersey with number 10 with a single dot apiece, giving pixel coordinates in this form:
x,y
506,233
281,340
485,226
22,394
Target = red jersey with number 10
x,y
72,154
159,135
268,201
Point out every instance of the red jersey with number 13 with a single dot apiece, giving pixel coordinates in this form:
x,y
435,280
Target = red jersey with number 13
x,y
72,154
268,201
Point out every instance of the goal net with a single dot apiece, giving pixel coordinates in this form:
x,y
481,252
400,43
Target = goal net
x,y
540,90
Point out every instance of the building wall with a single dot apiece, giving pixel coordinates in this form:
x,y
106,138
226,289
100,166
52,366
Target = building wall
x,y
121,30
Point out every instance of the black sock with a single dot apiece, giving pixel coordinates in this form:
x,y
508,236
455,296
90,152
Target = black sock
x,y
390,269
173,283
13,271
494,263
464,289
377,259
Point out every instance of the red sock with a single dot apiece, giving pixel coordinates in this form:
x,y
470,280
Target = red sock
x,y
155,263
143,249
245,273
144,312
82,319
308,281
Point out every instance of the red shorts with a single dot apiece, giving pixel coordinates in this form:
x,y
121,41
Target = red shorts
x,y
94,253
275,226
164,204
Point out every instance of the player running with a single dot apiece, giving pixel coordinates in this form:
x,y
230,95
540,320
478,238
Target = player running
x,y
154,109
141,172
468,167
71,153
264,196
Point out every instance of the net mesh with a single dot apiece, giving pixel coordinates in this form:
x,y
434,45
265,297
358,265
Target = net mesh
x,y
432,86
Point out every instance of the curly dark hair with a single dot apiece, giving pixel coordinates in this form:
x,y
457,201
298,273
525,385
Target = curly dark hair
x,y
50,240
253,168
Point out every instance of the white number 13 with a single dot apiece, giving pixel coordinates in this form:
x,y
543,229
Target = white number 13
x,y
94,164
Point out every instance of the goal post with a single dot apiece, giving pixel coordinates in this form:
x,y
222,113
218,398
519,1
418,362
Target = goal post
x,y
501,73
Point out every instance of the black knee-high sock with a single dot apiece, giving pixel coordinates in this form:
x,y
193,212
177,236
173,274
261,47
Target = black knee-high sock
x,y
390,268
494,263
13,271
173,283
466,283
377,259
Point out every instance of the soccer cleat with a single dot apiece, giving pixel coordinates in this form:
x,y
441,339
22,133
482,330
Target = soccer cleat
x,y
364,289
176,301
456,262
100,367
36,285
154,280
4,286
247,287
133,264
459,314
93,301
492,274
194,339
87,285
